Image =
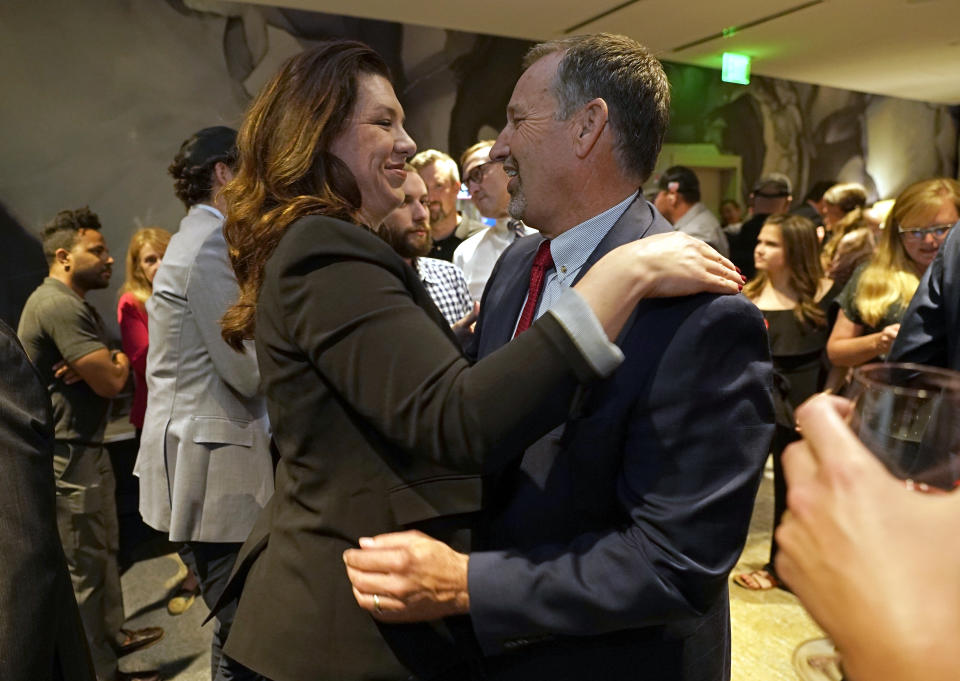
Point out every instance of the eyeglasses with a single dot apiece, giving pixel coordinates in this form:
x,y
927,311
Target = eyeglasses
x,y
477,173
939,231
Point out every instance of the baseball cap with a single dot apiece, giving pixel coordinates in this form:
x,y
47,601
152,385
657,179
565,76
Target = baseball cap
x,y
679,179
773,186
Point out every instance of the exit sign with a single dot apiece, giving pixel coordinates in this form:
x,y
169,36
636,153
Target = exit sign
x,y
736,68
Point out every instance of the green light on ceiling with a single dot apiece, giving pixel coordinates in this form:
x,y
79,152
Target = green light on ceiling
x,y
736,68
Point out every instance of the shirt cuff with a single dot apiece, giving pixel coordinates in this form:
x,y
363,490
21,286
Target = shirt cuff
x,y
581,324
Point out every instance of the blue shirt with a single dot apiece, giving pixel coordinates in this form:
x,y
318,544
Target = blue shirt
x,y
571,249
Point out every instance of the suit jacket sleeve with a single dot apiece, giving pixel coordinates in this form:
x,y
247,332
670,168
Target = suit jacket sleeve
x,y
696,435
401,371
39,620
211,289
931,325
471,345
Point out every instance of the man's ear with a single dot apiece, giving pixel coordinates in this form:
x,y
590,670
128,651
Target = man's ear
x,y
589,123
222,173
63,258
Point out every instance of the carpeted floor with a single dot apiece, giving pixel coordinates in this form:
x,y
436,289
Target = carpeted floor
x,y
767,626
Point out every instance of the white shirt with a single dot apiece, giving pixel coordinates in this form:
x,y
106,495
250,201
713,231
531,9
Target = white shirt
x,y
477,255
699,222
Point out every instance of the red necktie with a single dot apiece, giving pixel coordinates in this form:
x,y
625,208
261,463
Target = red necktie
x,y
542,262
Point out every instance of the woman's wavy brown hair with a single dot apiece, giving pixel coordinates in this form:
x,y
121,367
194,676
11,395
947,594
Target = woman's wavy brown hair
x,y
284,168
799,238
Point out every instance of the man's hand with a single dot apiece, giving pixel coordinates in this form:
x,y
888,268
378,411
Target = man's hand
x,y
408,577
65,373
463,328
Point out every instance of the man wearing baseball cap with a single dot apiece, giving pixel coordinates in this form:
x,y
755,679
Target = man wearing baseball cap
x,y
679,202
771,195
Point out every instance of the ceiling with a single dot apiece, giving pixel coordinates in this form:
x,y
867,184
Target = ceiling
x,y
901,48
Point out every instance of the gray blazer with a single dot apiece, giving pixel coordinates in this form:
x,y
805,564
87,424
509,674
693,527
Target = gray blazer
x,y
204,462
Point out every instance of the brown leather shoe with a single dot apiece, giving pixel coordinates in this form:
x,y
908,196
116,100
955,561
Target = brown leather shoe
x,y
138,639
146,675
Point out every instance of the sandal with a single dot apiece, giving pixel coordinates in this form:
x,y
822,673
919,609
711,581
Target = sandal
x,y
818,660
183,596
758,580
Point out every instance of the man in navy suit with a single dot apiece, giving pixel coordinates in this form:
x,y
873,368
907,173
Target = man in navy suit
x,y
606,551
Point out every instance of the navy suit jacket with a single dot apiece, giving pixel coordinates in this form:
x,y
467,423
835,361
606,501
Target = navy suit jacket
x,y
41,635
610,545
930,329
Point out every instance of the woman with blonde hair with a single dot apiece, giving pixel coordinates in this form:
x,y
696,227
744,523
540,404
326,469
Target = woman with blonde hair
x,y
791,291
851,236
144,254
877,295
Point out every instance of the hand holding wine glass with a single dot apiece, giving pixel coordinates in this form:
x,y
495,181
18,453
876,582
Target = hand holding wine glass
x,y
874,563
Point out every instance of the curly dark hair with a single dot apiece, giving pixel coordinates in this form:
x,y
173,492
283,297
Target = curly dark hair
x,y
192,183
64,229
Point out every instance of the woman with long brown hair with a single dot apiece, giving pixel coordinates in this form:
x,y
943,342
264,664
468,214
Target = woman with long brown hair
x,y
379,421
790,289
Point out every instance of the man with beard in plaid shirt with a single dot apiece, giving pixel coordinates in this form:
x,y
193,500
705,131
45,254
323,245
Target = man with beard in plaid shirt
x,y
407,230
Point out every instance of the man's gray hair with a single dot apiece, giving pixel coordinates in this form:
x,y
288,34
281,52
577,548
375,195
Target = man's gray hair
x,y
446,165
627,77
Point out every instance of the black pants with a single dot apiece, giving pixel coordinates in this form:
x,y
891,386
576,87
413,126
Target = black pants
x,y
782,437
212,563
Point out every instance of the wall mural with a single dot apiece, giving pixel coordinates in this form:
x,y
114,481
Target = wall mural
x,y
105,94
455,86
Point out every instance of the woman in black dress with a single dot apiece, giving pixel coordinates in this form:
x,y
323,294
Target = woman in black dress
x,y
792,293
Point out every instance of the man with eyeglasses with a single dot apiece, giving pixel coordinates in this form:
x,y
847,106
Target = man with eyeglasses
x,y
487,184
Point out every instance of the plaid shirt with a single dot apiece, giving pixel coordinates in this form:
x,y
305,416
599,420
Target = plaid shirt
x,y
445,283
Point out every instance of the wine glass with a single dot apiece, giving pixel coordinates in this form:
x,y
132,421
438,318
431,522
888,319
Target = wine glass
x,y
908,415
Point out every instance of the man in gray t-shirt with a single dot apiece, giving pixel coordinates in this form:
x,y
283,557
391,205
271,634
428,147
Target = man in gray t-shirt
x,y
60,326
65,339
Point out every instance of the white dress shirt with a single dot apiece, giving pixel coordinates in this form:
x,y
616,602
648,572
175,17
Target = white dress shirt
x,y
699,222
477,255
